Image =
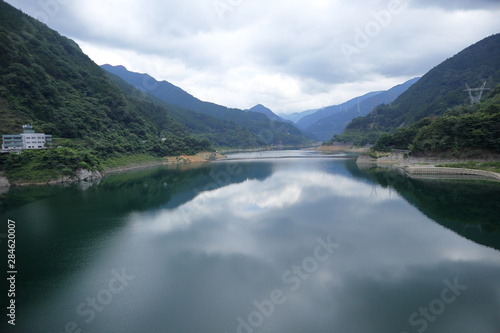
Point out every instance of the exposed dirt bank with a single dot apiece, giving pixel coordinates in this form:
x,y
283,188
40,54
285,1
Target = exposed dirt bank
x,y
198,158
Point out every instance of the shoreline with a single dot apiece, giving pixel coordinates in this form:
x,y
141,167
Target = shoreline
x,y
342,148
415,167
425,167
84,175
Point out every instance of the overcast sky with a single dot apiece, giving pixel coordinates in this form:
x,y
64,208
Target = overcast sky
x,y
288,55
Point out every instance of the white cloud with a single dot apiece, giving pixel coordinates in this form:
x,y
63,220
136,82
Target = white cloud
x,y
286,55
245,202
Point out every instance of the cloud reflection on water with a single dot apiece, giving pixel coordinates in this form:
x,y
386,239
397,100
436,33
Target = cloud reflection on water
x,y
202,264
255,230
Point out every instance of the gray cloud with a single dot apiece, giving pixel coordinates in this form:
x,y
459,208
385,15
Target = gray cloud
x,y
289,55
458,4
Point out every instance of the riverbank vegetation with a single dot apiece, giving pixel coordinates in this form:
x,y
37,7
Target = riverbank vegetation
x,y
464,131
461,128
129,161
435,116
47,81
38,166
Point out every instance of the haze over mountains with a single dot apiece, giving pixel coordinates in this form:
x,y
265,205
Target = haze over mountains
x,y
296,116
266,111
437,115
48,81
318,124
442,87
328,121
281,131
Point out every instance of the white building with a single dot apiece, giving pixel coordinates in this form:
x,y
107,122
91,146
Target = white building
x,y
26,140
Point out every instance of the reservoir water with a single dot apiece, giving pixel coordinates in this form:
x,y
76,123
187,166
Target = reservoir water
x,y
287,241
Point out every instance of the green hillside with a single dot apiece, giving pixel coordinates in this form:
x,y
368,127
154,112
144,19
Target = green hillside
x,y
441,89
221,133
462,131
47,81
268,131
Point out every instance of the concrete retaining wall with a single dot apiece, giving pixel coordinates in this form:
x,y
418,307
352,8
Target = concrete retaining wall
x,y
451,171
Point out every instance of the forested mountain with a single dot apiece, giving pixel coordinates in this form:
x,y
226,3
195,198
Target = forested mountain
x,y
46,80
309,120
462,131
326,127
296,116
266,111
268,131
221,133
441,89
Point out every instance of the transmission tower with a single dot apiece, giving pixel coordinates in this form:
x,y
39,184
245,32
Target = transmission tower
x,y
475,99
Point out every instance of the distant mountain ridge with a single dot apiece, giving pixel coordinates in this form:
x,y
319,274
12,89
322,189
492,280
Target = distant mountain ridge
x,y
437,116
296,116
277,132
440,89
163,90
266,111
307,121
326,127
221,133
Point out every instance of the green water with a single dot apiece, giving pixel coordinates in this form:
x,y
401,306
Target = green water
x,y
290,245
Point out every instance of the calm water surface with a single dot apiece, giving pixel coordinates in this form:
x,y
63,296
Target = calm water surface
x,y
292,245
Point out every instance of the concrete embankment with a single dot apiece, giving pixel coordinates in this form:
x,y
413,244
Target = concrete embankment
x,y
425,167
431,171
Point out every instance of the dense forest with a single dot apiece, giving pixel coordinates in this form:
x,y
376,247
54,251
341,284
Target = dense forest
x,y
46,80
436,111
221,133
465,129
235,122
